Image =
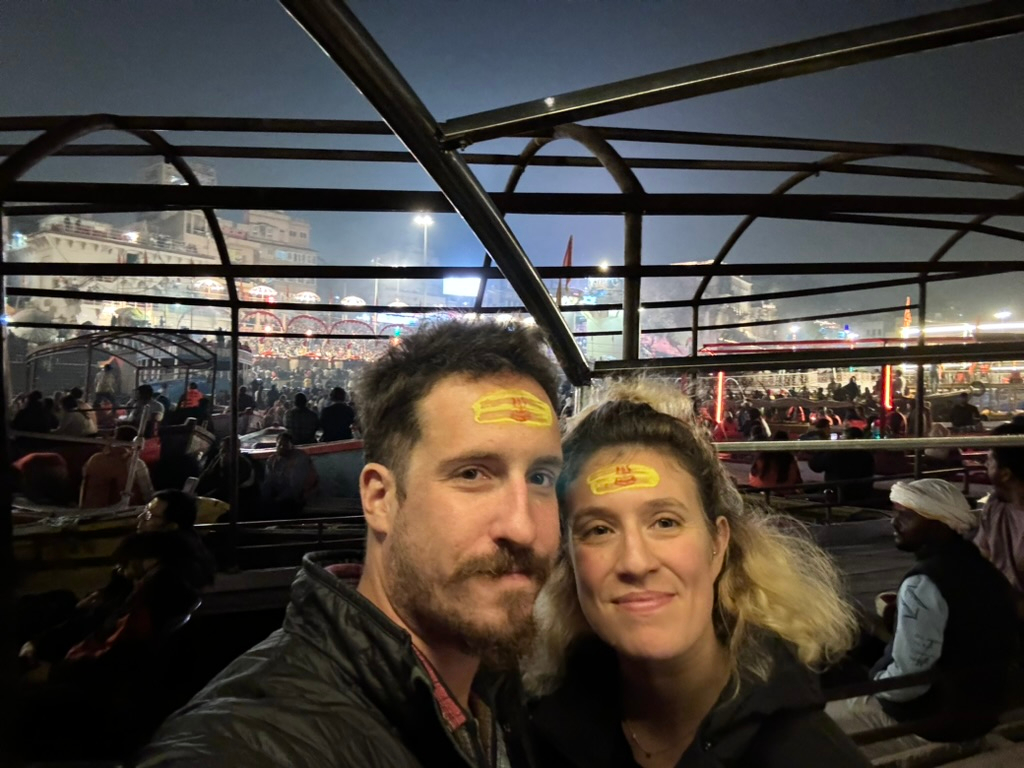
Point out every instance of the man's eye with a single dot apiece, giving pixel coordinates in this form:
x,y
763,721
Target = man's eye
x,y
469,473
543,478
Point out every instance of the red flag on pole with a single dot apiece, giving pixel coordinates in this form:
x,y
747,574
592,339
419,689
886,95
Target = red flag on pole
x,y
566,262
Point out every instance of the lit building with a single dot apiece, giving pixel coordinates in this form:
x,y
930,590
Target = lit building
x,y
160,237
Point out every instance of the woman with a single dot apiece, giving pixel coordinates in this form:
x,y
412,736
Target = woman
x,y
679,627
777,470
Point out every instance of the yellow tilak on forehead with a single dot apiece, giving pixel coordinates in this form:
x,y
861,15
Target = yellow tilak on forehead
x,y
513,406
622,477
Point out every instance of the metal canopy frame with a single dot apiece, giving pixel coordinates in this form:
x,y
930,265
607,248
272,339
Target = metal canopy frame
x,y
437,146
175,346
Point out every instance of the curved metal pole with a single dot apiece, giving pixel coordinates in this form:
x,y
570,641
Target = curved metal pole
x,y
341,35
955,238
628,183
37,150
1010,173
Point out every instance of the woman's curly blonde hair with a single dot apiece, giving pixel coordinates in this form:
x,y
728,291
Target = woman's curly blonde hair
x,y
774,579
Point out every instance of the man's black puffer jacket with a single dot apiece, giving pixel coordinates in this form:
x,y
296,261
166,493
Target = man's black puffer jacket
x,y
338,686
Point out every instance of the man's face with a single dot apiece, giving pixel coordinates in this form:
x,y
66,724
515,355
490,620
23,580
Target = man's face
x,y
284,445
999,477
475,537
911,531
152,517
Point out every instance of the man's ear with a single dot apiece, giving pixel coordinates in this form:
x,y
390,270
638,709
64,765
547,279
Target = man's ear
x,y
378,491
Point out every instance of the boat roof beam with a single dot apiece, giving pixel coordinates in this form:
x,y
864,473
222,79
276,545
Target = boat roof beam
x,y
804,206
881,41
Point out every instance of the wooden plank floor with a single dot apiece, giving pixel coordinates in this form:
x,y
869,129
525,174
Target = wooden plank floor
x,y
871,568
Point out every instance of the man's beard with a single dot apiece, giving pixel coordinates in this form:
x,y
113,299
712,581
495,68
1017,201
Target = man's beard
x,y
436,612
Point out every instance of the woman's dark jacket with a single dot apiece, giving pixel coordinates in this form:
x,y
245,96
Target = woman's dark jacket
x,y
338,686
778,724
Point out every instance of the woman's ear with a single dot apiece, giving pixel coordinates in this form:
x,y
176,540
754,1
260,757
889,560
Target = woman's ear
x,y
378,492
720,544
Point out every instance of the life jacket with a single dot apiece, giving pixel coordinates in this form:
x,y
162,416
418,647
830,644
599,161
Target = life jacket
x,y
192,398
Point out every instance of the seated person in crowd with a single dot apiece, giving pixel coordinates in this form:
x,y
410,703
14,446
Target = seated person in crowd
x,y
274,416
954,618
192,396
290,481
845,468
73,421
777,470
1000,535
43,478
145,403
105,474
302,422
103,413
34,415
680,627
728,429
337,418
161,569
945,456
820,431
964,416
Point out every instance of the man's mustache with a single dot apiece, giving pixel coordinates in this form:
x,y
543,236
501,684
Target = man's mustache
x,y
506,561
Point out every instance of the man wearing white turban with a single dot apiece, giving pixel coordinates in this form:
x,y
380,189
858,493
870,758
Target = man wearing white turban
x,y
954,620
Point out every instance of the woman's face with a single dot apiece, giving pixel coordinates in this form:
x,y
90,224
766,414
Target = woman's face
x,y
644,558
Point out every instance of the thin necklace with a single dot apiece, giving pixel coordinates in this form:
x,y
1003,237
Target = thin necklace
x,y
632,735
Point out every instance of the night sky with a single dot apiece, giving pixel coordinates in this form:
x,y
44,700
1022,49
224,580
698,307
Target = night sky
x,y
248,58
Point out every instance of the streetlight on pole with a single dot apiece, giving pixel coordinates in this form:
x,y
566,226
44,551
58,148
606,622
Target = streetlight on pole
x,y
425,221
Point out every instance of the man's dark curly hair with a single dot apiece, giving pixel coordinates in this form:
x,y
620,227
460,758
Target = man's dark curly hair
x,y
390,389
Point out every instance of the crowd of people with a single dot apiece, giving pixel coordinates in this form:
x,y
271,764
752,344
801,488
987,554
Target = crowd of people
x,y
600,597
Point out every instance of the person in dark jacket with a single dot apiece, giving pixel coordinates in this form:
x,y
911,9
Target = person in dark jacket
x,y
853,471
416,666
954,618
680,625
301,421
337,418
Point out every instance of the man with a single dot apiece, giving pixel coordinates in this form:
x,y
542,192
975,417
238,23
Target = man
x,y
458,494
851,391
301,422
245,400
144,402
821,430
106,383
1000,534
953,619
290,481
853,470
337,418
105,474
964,416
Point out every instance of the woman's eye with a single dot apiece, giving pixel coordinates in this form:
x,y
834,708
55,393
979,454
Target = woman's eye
x,y
594,531
666,523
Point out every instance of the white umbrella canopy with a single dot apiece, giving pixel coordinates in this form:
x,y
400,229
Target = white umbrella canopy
x,y
264,291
